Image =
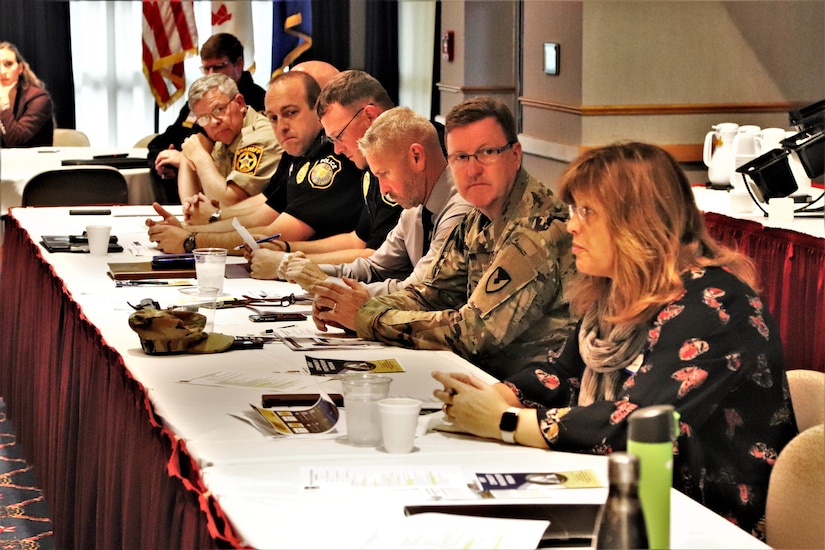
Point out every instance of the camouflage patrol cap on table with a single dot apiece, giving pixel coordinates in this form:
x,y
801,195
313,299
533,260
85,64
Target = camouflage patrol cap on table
x,y
164,332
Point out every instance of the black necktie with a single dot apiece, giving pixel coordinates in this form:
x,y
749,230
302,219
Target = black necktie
x,y
427,224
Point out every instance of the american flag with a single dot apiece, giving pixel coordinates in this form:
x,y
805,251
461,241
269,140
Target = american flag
x,y
169,36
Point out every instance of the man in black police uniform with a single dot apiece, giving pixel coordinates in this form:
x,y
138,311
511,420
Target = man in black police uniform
x,y
347,106
221,53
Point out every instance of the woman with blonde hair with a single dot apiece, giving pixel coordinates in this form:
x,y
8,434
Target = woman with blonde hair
x,y
667,316
26,111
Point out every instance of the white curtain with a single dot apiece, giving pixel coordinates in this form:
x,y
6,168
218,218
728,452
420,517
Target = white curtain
x,y
416,35
114,106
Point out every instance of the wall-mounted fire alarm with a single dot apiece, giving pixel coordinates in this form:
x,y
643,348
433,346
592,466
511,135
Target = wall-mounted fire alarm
x,y
447,45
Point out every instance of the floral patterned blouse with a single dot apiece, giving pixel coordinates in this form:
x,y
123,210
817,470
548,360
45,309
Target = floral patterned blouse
x,y
715,355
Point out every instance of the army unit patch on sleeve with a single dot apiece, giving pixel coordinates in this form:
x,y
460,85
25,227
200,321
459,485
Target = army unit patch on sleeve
x,y
497,281
247,159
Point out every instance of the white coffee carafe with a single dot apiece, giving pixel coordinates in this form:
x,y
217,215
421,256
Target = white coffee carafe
x,y
719,155
744,150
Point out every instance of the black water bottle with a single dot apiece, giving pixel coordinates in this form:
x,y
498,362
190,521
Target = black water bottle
x,y
621,521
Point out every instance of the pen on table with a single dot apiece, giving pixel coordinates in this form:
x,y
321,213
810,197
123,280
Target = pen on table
x,y
264,240
150,282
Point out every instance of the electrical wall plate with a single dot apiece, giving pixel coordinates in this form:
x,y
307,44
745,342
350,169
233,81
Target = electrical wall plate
x,y
551,58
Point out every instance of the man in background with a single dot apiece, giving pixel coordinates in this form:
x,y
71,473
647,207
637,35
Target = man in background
x,y
222,53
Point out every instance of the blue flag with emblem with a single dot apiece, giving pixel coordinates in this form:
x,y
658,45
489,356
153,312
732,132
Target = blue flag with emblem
x,y
291,32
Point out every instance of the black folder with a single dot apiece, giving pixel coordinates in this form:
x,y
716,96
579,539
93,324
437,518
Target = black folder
x,y
119,162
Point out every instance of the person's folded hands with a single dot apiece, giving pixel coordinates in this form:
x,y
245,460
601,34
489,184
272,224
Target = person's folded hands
x,y
299,269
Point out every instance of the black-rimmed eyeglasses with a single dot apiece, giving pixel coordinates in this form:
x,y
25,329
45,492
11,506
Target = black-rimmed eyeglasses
x,y
337,137
485,155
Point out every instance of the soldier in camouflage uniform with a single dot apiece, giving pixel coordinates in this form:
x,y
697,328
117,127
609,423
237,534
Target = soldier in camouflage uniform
x,y
495,295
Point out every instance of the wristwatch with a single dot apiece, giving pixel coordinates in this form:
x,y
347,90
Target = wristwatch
x,y
189,244
508,424
215,217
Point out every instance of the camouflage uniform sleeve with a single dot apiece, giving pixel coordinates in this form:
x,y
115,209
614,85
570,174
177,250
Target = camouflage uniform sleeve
x,y
511,294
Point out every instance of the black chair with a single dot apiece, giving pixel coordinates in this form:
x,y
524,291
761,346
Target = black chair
x,y
76,185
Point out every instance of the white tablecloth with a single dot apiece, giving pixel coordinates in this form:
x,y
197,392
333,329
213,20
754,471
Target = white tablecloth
x,y
719,201
259,479
17,166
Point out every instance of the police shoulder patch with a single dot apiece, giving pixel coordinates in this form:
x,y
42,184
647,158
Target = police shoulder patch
x,y
302,173
247,159
365,183
323,172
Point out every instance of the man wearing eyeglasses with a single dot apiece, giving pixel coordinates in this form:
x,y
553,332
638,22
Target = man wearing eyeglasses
x,y
495,295
222,53
238,153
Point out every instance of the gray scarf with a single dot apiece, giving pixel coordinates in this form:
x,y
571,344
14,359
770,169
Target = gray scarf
x,y
605,357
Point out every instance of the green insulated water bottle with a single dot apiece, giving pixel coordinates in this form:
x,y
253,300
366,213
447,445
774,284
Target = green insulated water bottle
x,y
650,437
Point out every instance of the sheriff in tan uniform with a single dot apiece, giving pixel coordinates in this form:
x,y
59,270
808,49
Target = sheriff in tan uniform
x,y
252,157
495,294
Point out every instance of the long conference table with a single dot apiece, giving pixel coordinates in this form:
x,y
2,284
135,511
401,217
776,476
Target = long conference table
x,y
138,451
19,165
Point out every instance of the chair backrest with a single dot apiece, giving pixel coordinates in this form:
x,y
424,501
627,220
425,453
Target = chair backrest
x,y
808,397
76,185
796,493
144,141
66,137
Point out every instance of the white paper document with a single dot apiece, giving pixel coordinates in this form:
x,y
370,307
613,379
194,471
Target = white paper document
x,y
285,383
460,532
244,233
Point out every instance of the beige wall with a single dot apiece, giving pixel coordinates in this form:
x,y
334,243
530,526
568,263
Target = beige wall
x,y
661,71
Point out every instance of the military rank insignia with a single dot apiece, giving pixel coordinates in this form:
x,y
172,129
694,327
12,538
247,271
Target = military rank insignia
x,y
322,173
247,159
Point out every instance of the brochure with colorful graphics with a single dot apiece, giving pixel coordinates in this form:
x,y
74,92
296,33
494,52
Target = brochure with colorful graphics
x,y
318,366
320,418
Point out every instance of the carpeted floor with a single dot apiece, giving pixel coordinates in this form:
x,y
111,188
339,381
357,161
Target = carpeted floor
x,y
24,515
